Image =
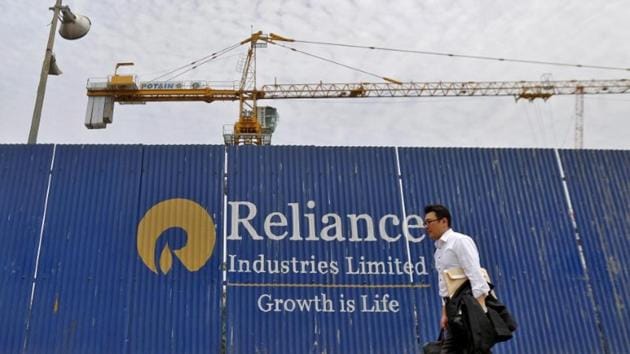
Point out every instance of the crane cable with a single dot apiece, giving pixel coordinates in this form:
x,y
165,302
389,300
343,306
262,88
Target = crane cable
x,y
335,62
477,57
196,63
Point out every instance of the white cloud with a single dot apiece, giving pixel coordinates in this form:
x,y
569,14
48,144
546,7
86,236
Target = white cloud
x,y
158,36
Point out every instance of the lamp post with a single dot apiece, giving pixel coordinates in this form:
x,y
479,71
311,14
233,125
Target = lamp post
x,y
72,27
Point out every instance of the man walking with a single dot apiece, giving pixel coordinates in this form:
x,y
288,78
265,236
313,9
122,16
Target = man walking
x,y
454,250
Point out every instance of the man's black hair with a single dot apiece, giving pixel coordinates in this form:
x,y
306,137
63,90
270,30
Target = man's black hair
x,y
440,212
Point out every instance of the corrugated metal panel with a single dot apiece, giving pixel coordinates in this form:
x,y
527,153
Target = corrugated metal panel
x,y
320,182
23,185
100,290
94,293
512,203
179,312
599,186
81,298
343,330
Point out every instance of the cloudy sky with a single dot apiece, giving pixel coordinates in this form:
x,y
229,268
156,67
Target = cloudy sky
x,y
158,36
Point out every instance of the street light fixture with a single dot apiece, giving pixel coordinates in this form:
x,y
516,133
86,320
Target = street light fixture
x,y
72,27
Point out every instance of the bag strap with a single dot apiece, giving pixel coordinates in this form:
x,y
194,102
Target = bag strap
x,y
441,335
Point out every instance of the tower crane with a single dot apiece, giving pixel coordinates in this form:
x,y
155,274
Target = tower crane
x,y
256,124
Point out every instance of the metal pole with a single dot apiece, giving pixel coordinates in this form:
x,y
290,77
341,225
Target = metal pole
x,y
579,117
41,89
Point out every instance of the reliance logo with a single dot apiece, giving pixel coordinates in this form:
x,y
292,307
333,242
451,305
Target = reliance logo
x,y
278,225
187,215
296,223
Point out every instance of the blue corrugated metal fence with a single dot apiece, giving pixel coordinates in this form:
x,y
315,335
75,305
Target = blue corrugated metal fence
x,y
302,249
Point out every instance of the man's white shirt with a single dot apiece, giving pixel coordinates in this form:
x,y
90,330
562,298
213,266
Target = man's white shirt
x,y
455,250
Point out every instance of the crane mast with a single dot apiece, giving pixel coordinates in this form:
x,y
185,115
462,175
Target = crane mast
x,y
247,130
256,124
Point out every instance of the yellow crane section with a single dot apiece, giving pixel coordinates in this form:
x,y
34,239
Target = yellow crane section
x,y
197,91
256,124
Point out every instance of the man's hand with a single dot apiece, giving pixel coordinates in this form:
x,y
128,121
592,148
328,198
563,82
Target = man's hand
x,y
443,321
482,301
